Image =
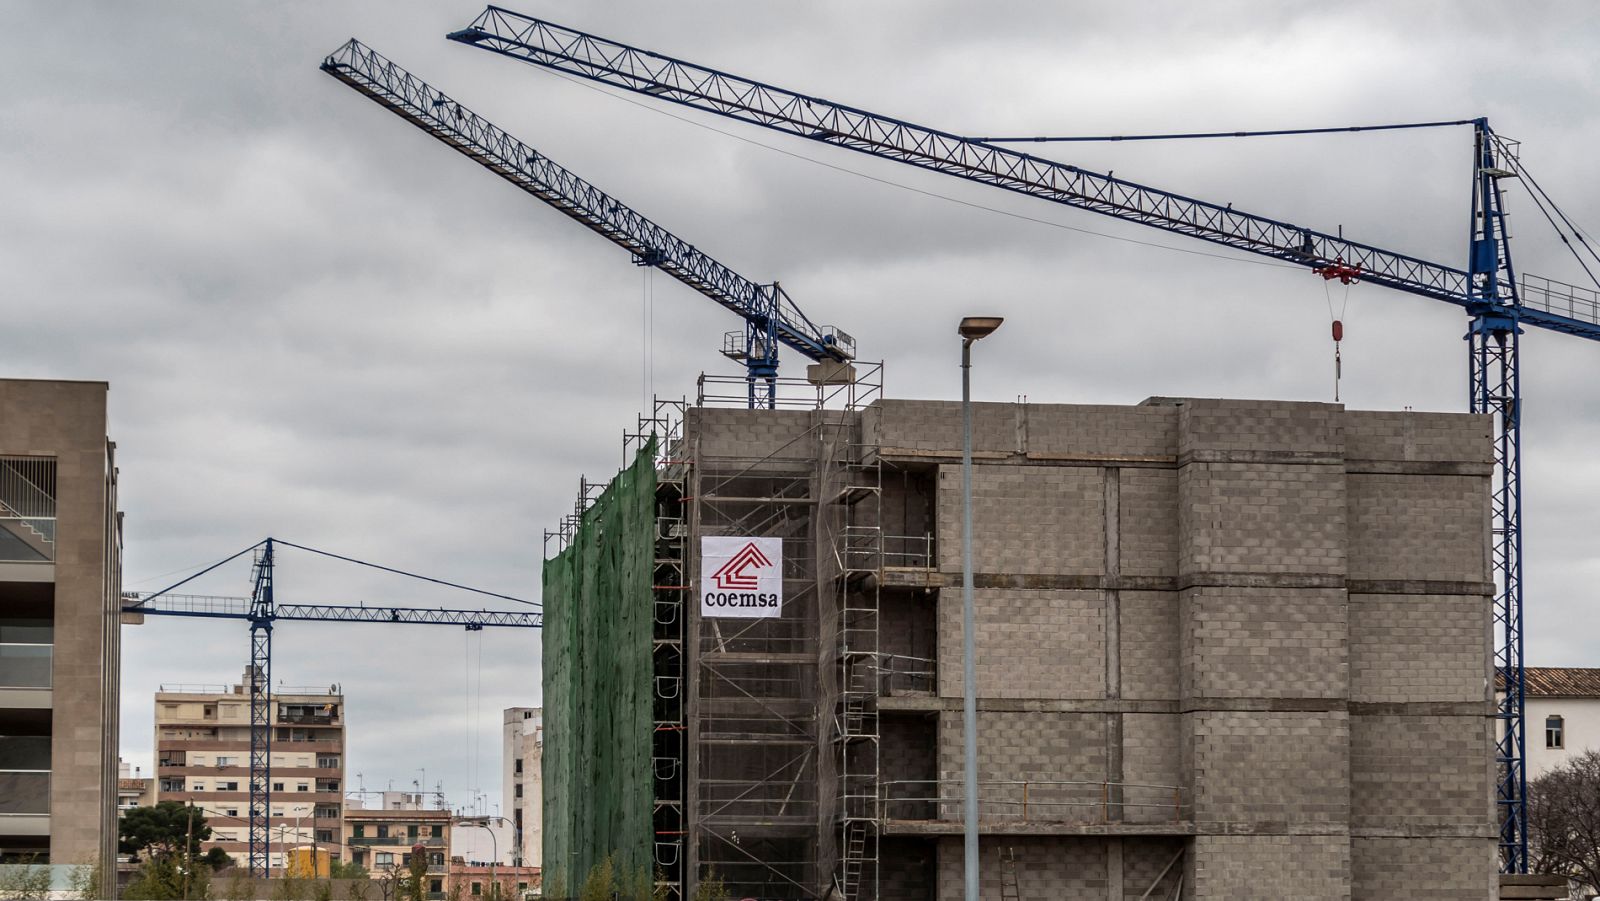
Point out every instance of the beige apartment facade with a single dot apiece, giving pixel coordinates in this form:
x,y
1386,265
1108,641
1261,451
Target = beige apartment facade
x,y
203,757
383,839
60,578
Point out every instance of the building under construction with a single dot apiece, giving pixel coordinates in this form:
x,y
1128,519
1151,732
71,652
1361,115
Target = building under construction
x,y
1225,649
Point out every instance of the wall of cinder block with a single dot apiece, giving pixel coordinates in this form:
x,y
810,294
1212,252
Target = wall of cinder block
x,y
1280,608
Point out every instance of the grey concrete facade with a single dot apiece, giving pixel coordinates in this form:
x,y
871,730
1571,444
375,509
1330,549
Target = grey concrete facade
x,y
60,580
1241,647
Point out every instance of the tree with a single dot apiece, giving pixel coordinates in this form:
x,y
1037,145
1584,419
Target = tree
x,y
344,869
416,882
1564,820
165,828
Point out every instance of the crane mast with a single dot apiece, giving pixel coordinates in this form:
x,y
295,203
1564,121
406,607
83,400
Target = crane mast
x,y
1498,306
771,317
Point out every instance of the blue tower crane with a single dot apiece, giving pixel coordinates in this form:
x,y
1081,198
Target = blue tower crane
x,y
771,317
261,610
1498,306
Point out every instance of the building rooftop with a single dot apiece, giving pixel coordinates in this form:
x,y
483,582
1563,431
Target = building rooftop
x,y
1561,681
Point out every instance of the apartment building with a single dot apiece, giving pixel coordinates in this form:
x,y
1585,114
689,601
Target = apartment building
x,y
134,789
522,756
382,839
203,756
60,651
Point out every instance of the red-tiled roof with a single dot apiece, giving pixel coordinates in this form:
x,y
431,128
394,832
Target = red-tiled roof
x,y
1561,682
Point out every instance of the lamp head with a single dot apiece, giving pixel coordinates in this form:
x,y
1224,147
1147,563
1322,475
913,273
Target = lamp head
x,y
974,327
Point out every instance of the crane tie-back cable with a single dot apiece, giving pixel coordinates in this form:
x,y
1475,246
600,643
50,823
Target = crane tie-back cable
x,y
1182,136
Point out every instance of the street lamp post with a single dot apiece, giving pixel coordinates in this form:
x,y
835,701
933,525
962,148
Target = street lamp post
x,y
972,329
494,843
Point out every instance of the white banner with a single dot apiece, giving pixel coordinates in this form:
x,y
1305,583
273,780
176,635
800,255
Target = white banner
x,y
741,577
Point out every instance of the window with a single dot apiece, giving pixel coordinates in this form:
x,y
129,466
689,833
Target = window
x,y
325,835
516,766
227,761
516,790
383,831
436,859
227,786
1554,732
302,786
522,887
438,832
384,859
327,763
277,786
436,885
231,812
359,830
411,831
477,889
198,786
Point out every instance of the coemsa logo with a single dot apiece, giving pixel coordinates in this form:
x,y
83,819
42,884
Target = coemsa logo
x,y
735,575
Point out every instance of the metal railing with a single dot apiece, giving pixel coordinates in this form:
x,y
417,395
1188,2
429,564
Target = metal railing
x,y
27,509
796,393
914,551
1560,298
1034,801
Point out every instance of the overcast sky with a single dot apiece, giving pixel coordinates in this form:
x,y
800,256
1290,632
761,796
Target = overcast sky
x,y
320,324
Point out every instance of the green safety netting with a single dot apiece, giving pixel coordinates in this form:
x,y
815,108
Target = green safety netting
x,y
597,675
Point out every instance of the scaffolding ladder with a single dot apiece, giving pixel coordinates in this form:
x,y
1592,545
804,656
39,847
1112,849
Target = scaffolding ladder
x,y
669,590
859,501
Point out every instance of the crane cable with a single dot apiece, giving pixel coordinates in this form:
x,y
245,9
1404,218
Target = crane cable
x,y
1338,331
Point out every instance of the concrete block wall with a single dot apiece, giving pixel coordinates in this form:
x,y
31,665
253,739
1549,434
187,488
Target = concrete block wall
x,y
1281,608
1422,869
1263,642
1268,771
735,433
1035,519
1418,648
1418,772
1054,643
1302,867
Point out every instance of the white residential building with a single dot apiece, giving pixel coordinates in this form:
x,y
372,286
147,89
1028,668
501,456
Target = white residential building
x,y
521,757
1562,715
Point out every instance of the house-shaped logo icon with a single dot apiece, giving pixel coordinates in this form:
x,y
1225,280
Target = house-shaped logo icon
x,y
736,575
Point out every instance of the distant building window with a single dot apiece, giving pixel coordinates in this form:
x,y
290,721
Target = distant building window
x,y
436,885
227,786
383,831
277,786
516,790
198,787
385,858
360,830
438,831
227,761
1554,732
231,812
477,888
516,766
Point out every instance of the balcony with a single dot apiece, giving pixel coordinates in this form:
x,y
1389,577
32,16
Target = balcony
x,y
25,664
395,841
